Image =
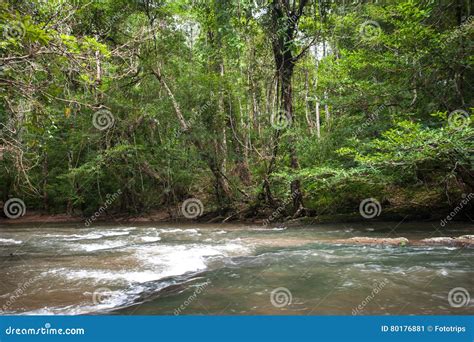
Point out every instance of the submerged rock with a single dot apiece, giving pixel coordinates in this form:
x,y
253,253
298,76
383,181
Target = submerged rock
x,y
464,240
438,241
461,241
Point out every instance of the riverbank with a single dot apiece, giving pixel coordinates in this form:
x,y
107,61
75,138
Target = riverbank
x,y
165,215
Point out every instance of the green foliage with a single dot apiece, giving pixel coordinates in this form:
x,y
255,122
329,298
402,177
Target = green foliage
x,y
385,77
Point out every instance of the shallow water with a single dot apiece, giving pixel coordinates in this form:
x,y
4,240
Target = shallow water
x,y
229,269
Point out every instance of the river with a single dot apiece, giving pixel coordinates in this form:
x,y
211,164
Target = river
x,y
170,269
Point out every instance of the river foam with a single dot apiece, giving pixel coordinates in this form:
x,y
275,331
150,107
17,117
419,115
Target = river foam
x,y
128,262
7,242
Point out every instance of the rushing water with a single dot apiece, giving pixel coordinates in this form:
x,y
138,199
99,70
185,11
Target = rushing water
x,y
228,269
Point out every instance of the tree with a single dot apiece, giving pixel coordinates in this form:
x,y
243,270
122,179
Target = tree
x,y
285,15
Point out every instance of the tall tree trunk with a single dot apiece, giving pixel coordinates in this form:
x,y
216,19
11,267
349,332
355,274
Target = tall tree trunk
x,y
285,16
306,102
69,205
45,182
326,109
218,168
317,104
326,106
287,104
318,120
241,145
